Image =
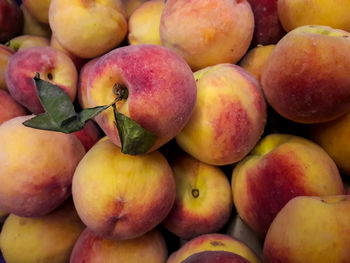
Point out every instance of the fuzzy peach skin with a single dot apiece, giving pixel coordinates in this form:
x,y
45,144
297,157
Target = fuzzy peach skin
x,y
49,238
229,116
89,135
5,54
144,23
333,137
310,229
278,169
11,20
203,202
122,196
51,64
161,87
255,60
84,75
38,9
215,257
213,242
298,81
37,169
9,108
207,32
268,29
91,248
27,41
295,13
96,27
31,26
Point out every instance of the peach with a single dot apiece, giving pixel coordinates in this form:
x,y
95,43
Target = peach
x,y
215,257
38,9
255,60
132,5
95,28
32,26
298,81
279,168
144,23
27,41
53,66
229,116
268,29
48,238
91,248
9,108
310,229
11,20
213,242
296,13
333,137
132,197
5,54
161,90
207,32
38,168
89,135
203,201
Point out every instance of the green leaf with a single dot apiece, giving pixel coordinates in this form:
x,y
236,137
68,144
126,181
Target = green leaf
x,y
89,113
133,138
43,122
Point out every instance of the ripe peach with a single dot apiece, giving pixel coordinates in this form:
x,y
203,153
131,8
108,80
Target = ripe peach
x,y
38,168
31,26
132,197
27,41
11,20
9,108
38,9
298,81
5,54
89,135
215,257
207,32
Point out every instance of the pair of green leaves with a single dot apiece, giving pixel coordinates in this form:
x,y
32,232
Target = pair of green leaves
x,y
61,116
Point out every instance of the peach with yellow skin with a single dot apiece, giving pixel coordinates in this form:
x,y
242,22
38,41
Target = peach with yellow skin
x,y
38,9
35,182
161,90
213,242
91,248
296,13
132,197
48,238
51,64
207,32
229,116
278,169
31,26
27,41
5,54
132,5
298,81
96,27
255,60
144,23
310,229
9,108
203,202
333,137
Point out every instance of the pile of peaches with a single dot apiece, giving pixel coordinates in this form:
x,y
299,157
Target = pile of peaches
x,y
248,106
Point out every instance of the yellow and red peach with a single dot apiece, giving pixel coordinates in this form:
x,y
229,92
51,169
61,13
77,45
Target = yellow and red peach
x,y
95,28
229,116
161,90
298,81
39,9
5,54
27,41
144,23
203,201
9,108
51,64
278,169
89,135
39,168
296,13
310,229
49,238
207,32
132,197
255,60
213,242
91,248
215,256
11,20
